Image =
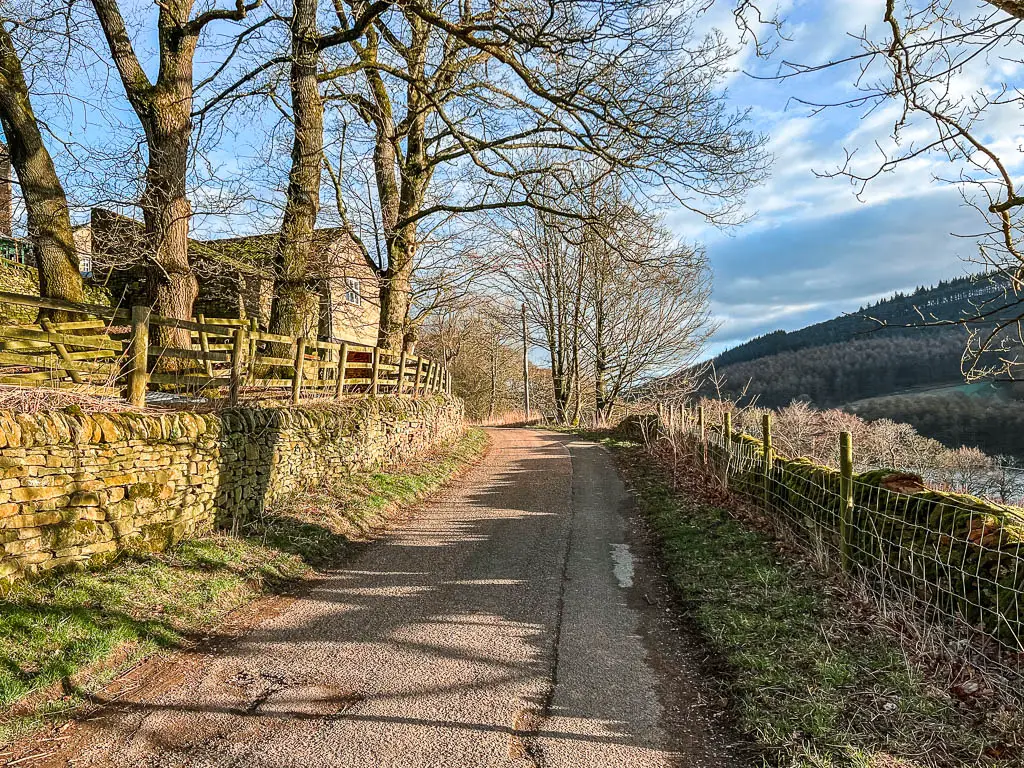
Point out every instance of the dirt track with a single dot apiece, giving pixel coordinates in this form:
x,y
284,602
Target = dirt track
x,y
499,627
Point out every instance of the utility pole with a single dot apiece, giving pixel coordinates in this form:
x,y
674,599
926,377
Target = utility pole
x,y
526,366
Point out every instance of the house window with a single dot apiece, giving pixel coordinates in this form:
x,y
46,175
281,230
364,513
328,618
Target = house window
x,y
353,291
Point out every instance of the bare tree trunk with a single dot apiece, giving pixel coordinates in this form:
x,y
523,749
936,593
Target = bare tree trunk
x,y
296,303
395,290
49,223
494,378
166,212
6,212
602,404
164,109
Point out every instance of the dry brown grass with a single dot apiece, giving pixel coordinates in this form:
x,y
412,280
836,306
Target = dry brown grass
x,y
510,419
35,399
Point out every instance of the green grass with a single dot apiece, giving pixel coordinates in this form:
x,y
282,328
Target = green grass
x,y
809,677
69,634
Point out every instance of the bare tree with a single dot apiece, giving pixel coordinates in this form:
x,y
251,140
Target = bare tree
x,y
49,221
164,109
544,270
295,301
646,297
466,109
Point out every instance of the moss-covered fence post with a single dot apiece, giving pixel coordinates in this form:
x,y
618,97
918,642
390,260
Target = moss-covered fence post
x,y
727,445
238,346
300,359
766,451
846,497
138,375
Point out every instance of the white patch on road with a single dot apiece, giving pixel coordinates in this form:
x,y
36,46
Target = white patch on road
x,y
623,567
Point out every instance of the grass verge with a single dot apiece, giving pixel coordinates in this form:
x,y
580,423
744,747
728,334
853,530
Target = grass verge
x,y
811,674
65,636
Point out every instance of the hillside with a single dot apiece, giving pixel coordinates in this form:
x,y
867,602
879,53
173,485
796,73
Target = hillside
x,y
898,315
860,361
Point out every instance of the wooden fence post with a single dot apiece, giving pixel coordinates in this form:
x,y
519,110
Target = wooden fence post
x,y
400,390
375,372
766,451
700,421
300,358
419,377
845,497
138,376
727,429
339,389
254,328
238,345
204,345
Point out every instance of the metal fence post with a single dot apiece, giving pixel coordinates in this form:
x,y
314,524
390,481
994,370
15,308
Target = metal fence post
x,y
300,359
238,346
845,497
138,376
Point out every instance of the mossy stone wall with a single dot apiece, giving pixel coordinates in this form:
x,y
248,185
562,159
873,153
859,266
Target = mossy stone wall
x,y
18,278
959,554
77,489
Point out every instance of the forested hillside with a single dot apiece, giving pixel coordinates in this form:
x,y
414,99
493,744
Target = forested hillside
x,y
995,424
883,349
949,300
834,374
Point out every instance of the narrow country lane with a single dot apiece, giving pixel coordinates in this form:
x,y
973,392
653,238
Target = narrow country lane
x,y
499,627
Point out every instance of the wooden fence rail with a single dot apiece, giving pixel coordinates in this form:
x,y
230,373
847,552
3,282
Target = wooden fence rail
x,y
110,352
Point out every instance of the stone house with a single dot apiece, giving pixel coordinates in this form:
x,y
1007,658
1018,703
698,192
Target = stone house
x,y
235,275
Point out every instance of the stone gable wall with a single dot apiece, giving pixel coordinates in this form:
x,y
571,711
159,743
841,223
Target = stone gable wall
x,y
77,489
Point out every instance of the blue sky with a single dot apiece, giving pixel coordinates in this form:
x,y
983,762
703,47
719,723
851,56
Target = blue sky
x,y
812,249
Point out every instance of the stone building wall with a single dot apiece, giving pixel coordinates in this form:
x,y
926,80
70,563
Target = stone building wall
x,y
19,278
76,489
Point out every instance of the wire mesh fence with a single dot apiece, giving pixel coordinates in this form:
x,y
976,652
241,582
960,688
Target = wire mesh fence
x,y
953,561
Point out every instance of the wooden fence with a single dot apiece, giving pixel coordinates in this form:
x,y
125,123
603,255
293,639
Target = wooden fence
x,y
109,352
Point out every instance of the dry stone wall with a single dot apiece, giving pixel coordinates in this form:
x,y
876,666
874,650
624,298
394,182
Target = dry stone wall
x,y
76,489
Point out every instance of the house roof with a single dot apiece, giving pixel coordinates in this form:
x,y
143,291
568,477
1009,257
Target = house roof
x,y
248,253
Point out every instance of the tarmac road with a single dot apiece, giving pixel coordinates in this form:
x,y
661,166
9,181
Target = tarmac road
x,y
507,624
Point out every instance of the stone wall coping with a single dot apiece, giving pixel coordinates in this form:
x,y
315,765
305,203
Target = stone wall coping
x,y
67,427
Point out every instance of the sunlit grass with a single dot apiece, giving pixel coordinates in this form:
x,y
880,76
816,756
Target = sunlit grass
x,y
814,684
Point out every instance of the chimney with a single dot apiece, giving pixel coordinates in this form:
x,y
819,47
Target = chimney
x,y
6,214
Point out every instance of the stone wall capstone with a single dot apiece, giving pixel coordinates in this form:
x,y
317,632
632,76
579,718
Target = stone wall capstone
x,y
78,488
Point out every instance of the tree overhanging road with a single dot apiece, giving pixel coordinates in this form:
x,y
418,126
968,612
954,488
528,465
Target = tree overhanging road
x,y
500,627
